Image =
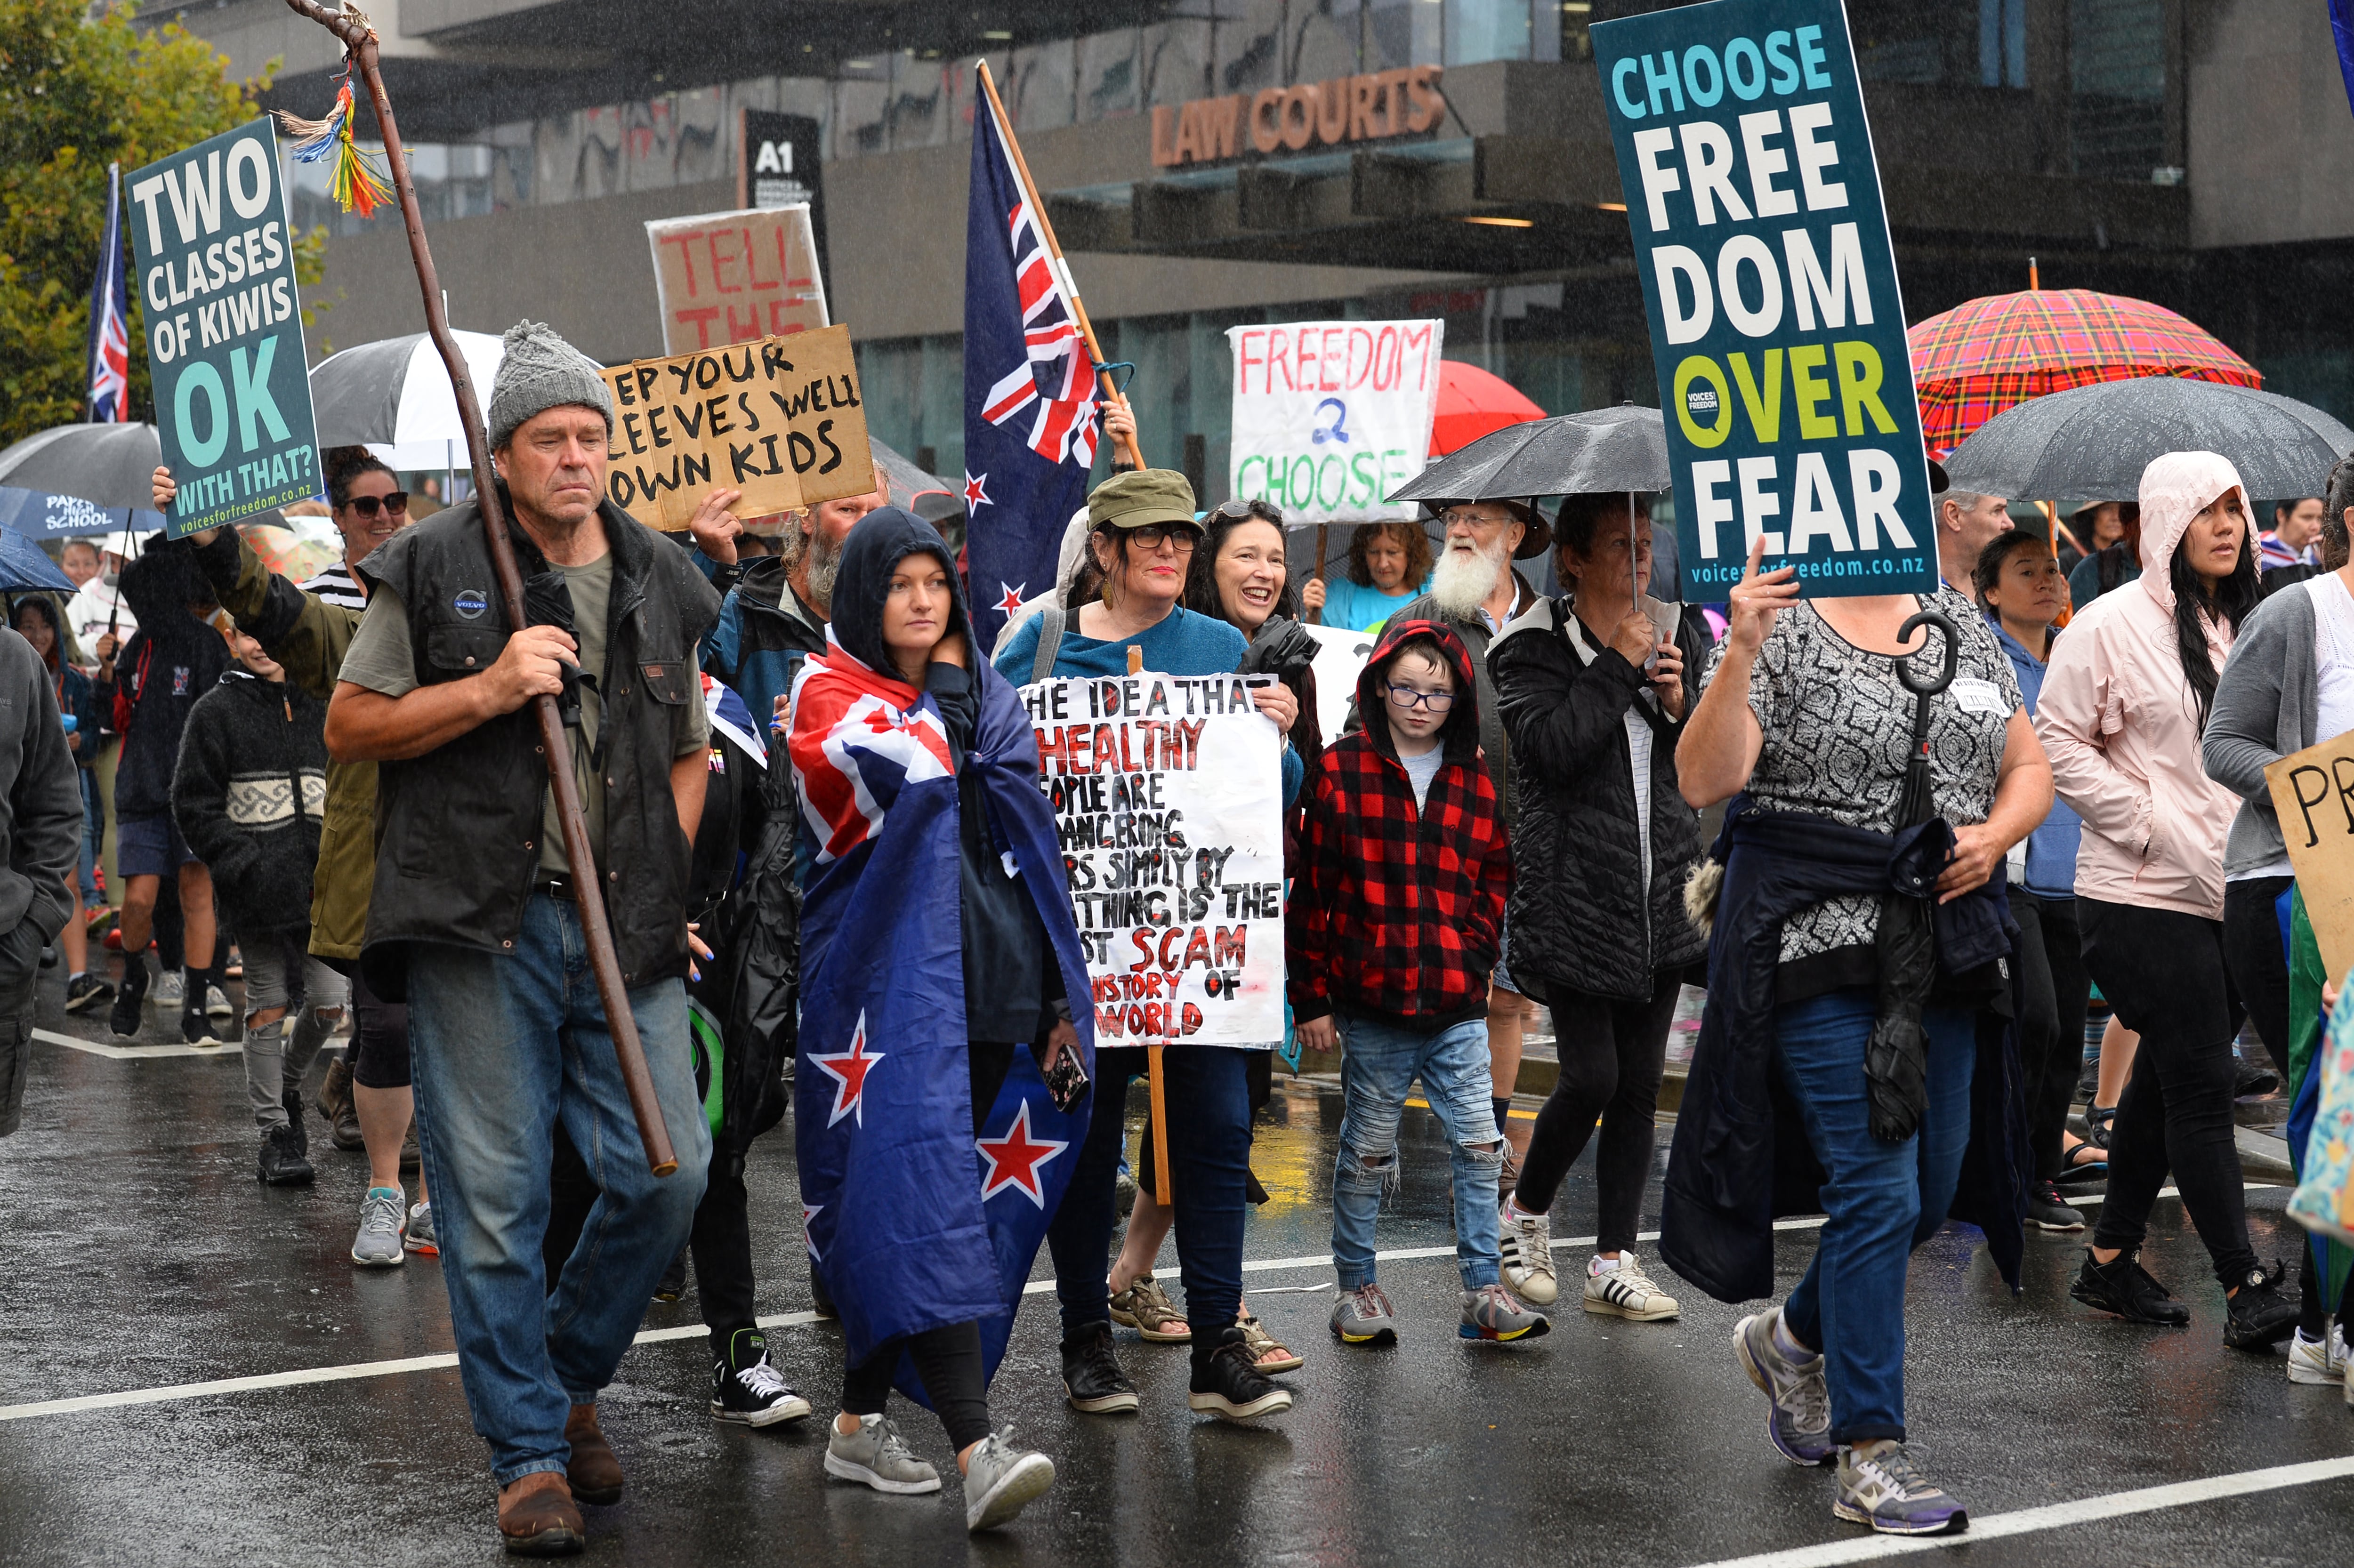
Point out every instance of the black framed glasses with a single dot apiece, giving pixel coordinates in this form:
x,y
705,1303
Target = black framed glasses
x,y
1184,536
1407,697
367,505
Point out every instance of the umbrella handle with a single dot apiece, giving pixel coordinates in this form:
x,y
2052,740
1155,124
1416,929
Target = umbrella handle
x,y
1945,676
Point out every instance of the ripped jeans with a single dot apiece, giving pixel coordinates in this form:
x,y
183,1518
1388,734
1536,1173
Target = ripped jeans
x,y
281,976
1379,1062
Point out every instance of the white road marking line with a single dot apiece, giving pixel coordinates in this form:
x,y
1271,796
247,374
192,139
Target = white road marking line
x,y
136,1053
2052,1516
263,1381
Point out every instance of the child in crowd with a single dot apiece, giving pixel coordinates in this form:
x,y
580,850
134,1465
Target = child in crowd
x,y
249,796
1393,930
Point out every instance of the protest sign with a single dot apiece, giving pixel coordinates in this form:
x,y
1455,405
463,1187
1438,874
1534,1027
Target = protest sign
x,y
735,277
2313,795
223,329
1771,287
1341,656
1168,798
1330,417
780,420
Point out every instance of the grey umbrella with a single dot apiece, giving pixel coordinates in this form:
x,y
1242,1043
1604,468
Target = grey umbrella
x,y
2096,441
111,465
1597,452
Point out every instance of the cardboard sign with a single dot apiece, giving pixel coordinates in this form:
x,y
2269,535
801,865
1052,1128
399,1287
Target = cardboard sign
x,y
780,419
2313,795
223,329
1168,792
1771,289
1330,417
735,277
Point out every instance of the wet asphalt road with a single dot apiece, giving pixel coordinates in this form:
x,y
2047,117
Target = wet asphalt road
x,y
141,1252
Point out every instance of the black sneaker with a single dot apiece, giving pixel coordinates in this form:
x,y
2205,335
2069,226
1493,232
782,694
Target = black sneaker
x,y
293,1101
1227,1385
2255,1081
2045,1211
282,1163
1091,1375
2124,1286
673,1283
86,991
746,1390
129,1003
197,1027
2260,1313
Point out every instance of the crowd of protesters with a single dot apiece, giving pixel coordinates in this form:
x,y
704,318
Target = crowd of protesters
x,y
338,792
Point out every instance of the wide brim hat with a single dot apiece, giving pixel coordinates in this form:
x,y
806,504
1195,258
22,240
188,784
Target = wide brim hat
x,y
1538,535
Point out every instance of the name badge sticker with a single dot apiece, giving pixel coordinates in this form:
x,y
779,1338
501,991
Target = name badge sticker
x,y
1973,696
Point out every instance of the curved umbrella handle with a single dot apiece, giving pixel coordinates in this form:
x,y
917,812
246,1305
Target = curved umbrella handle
x,y
1945,676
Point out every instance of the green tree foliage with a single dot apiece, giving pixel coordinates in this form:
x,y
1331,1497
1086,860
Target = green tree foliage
x,y
78,92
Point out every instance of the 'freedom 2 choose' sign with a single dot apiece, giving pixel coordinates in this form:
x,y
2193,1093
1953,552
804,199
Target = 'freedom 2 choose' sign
x,y
1771,287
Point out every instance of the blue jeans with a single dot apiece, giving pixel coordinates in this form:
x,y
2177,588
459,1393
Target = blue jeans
x,y
505,1047
1208,1095
1882,1199
1379,1062
93,837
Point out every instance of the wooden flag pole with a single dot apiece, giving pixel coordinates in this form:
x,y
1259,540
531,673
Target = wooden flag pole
x,y
359,40
1152,1071
1112,394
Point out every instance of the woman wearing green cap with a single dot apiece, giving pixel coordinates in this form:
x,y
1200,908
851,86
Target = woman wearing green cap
x,y
1144,536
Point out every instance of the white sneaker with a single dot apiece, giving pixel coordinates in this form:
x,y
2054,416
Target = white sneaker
x,y
1627,1292
1525,1244
2317,1361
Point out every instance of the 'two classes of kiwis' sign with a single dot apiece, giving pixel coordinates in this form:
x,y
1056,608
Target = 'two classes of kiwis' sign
x,y
1378,104
780,419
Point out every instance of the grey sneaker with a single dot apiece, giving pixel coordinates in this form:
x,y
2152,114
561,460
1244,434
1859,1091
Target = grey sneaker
x,y
170,990
419,1235
1362,1317
1526,1243
1001,1479
1492,1313
1878,1486
876,1456
217,1003
378,1245
1798,1420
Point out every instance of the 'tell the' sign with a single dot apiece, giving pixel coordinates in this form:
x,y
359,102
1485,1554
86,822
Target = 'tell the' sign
x,y
1766,269
223,329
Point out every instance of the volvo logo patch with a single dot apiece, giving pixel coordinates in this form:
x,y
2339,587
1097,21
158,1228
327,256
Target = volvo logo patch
x,y
470,603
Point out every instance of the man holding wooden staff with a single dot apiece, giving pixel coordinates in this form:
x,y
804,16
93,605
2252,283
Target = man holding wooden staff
x,y
477,917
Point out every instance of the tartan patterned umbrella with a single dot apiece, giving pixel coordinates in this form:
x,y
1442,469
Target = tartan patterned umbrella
x,y
1993,353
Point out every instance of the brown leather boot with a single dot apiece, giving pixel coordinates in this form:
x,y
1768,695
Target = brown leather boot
x,y
538,1518
594,1472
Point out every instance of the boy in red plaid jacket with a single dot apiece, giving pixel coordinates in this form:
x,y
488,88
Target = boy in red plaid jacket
x,y
1391,933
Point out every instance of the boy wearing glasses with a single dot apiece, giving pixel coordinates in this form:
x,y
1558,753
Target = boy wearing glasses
x,y
1391,933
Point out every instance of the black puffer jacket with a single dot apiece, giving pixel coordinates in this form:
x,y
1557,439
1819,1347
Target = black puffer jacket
x,y
1582,917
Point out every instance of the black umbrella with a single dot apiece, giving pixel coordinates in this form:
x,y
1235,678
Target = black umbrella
x,y
1896,1057
111,465
2096,441
1600,451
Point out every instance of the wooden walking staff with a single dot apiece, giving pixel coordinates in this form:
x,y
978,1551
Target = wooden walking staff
x,y
1055,248
359,41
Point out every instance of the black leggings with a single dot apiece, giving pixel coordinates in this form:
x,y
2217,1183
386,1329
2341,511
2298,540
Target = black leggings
x,y
2052,987
1612,1054
2259,966
2163,971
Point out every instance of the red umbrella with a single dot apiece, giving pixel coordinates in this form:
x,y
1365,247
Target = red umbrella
x,y
1471,404
1982,357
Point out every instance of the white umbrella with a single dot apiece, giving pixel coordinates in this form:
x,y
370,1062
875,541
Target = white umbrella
x,y
395,397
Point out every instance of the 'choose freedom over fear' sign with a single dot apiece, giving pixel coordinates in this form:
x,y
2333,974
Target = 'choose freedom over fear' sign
x,y
1771,287
223,329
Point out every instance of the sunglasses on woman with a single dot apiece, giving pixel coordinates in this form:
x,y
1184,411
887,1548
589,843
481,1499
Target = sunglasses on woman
x,y
366,505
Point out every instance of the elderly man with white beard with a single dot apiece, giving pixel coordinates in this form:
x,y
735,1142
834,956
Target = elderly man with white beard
x,y
1475,590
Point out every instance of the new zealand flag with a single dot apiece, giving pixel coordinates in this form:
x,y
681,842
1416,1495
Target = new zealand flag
x,y
109,317
912,1222
1029,390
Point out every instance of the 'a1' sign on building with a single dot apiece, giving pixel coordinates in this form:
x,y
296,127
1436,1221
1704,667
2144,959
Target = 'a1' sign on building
x,y
1771,286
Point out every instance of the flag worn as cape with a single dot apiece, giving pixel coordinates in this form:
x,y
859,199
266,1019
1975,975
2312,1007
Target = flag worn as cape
x,y
911,1223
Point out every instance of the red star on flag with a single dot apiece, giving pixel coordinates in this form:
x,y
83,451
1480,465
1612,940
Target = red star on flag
x,y
1016,1159
1013,599
848,1069
974,495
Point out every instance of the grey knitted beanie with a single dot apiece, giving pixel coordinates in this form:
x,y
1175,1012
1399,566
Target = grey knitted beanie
x,y
541,371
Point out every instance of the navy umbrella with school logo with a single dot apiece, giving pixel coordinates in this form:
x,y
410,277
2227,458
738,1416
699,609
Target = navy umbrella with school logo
x,y
110,465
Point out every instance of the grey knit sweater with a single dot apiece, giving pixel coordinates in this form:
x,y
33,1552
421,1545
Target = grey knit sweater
x,y
2265,706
